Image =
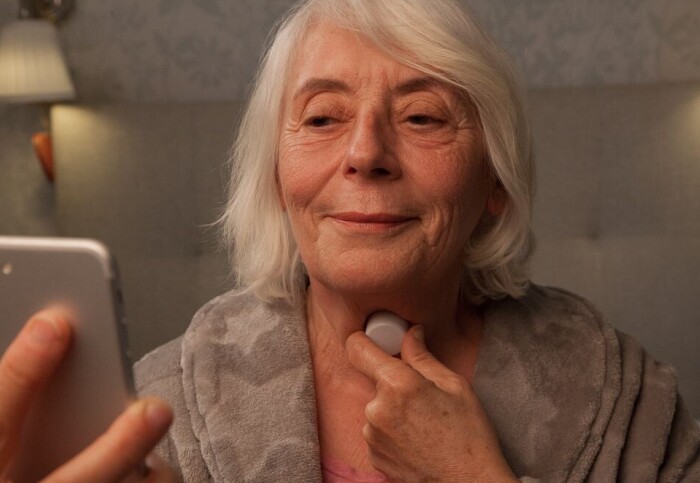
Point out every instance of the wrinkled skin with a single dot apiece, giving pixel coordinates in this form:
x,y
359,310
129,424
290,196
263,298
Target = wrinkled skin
x,y
425,423
383,176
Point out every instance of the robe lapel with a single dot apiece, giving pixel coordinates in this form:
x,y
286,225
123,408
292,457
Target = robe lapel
x,y
252,402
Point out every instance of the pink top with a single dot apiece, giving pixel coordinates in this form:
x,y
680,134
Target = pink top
x,y
335,471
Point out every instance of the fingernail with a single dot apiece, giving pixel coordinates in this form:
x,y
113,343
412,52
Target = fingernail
x,y
43,331
419,333
158,414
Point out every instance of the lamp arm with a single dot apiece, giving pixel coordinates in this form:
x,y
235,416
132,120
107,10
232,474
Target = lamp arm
x,y
52,10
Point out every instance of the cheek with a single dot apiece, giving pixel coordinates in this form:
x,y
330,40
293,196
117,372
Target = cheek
x,y
455,187
453,177
295,189
469,191
301,177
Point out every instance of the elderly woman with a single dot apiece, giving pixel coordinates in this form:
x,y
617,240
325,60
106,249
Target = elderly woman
x,y
383,163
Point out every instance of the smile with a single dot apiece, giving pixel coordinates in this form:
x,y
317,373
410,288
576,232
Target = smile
x,y
371,222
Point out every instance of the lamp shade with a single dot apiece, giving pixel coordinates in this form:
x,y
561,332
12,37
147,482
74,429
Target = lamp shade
x,y
32,66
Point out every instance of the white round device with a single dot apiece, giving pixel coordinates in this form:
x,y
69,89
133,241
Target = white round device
x,y
386,329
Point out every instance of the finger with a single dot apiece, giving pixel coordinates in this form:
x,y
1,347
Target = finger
x,y
24,369
159,470
155,469
380,452
415,353
368,358
122,448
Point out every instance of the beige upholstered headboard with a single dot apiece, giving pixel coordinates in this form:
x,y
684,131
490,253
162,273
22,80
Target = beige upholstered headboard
x,y
618,211
617,214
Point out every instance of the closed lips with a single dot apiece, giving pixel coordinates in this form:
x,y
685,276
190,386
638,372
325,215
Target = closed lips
x,y
379,218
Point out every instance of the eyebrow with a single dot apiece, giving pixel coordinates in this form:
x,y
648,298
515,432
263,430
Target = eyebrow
x,y
422,83
323,84
320,84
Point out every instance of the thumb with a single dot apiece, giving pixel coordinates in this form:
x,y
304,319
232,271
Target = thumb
x,y
367,357
415,353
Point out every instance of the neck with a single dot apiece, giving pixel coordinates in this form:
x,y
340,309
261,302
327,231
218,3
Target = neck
x,y
452,329
445,316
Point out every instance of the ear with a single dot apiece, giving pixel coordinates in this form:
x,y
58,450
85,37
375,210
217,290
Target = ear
x,y
496,202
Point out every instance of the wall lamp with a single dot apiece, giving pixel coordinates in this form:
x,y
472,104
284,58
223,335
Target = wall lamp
x,y
32,66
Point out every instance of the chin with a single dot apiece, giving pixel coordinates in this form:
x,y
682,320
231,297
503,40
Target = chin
x,y
370,278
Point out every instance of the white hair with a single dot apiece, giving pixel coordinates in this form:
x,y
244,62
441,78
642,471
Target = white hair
x,y
437,38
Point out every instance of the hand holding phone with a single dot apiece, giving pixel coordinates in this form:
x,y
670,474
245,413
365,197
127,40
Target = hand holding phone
x,y
44,409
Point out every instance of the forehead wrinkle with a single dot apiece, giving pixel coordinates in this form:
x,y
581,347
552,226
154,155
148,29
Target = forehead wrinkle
x,y
417,84
315,84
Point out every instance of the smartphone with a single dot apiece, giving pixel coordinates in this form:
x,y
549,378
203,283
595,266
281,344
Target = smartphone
x,y
94,383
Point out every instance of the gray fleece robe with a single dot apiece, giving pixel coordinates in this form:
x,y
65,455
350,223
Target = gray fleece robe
x,y
571,398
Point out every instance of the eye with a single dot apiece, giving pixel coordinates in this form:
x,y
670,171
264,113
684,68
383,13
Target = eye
x,y
424,120
320,121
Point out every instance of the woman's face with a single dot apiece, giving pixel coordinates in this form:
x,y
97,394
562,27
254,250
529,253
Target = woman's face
x,y
381,168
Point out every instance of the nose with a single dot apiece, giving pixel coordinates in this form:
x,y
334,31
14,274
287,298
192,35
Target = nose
x,y
369,154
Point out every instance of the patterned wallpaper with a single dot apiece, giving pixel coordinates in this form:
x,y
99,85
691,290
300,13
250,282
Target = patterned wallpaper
x,y
208,49
136,50
591,42
167,49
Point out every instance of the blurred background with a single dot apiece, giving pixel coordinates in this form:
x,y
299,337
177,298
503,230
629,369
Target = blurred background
x,y
614,95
